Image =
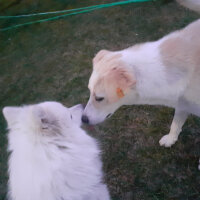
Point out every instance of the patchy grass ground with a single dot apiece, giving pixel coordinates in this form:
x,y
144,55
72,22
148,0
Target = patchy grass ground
x,y
52,61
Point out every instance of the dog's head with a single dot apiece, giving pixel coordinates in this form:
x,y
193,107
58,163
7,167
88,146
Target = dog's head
x,y
48,118
110,85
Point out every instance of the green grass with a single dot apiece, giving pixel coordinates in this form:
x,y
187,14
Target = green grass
x,y
53,61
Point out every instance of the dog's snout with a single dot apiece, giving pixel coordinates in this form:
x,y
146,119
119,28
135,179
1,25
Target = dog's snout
x,y
85,119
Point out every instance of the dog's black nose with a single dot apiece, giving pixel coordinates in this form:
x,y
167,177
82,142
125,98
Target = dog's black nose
x,y
85,119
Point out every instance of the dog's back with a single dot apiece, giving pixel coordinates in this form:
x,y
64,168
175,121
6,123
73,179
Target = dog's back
x,y
191,34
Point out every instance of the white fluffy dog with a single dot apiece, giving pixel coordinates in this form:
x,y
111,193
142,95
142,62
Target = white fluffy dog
x,y
52,158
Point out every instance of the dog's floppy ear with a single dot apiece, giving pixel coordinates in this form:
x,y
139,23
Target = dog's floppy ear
x,y
118,82
99,56
11,114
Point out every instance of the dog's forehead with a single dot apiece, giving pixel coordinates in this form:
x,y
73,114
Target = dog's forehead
x,y
93,79
96,84
101,66
52,106
107,61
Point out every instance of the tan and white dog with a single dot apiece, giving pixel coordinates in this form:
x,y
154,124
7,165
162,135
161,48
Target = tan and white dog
x,y
163,72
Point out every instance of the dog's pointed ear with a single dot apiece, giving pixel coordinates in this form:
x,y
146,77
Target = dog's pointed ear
x,y
11,114
119,82
45,121
42,118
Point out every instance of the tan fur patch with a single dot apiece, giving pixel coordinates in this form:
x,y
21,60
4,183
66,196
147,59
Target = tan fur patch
x,y
107,61
177,58
100,55
174,52
120,93
180,54
181,49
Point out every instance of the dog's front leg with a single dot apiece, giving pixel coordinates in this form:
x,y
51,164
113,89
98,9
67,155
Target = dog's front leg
x,y
176,127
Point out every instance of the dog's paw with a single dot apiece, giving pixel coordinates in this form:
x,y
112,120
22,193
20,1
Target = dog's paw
x,y
167,140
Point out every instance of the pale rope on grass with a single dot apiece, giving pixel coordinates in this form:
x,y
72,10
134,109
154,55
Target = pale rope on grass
x,y
77,11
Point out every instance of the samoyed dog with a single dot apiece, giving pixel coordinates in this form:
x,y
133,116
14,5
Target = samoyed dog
x,y
51,157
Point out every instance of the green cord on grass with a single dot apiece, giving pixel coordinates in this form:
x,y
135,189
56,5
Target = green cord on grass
x,y
77,11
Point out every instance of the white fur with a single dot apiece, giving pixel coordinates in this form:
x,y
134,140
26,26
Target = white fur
x,y
52,158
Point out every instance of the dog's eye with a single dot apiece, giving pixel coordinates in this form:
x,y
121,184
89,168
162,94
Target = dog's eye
x,y
99,98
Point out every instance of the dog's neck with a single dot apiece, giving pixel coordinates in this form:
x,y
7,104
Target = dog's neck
x,y
154,85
